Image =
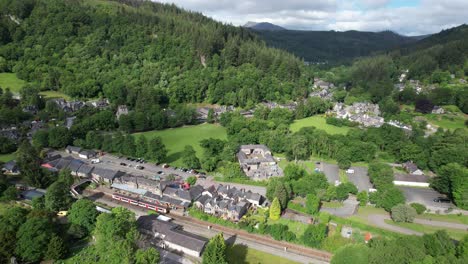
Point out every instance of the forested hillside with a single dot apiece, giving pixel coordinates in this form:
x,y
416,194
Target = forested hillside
x,y
132,51
331,46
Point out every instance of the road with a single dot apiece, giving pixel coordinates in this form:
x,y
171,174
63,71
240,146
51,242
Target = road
x,y
204,231
331,171
379,221
360,178
112,162
441,224
349,208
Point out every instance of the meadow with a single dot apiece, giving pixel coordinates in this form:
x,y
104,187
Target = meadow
x,y
9,80
176,139
319,122
240,254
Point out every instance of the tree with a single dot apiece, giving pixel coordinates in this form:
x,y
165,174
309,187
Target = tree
x,y
312,204
438,244
453,180
55,249
210,117
420,208
403,213
141,146
314,235
275,209
387,198
29,164
10,194
282,193
189,158
293,172
156,150
424,106
59,137
298,148
462,248
215,251
58,197
66,177
363,198
33,239
192,180
83,213
147,256
10,222
7,145
351,254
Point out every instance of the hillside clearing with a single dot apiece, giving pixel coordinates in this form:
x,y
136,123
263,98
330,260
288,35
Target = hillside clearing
x,y
319,122
176,139
9,80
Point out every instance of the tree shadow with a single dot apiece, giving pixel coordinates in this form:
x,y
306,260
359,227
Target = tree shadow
x,y
237,254
173,157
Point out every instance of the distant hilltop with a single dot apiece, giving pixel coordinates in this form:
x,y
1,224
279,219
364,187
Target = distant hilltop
x,y
263,26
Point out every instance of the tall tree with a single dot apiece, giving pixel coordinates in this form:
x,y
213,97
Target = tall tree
x,y
156,150
275,209
215,251
83,213
189,158
58,197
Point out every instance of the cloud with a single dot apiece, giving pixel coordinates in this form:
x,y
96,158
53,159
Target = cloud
x,y
409,18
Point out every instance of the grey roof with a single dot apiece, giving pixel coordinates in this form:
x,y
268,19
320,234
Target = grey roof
x,y
410,178
75,165
106,173
31,194
88,152
173,233
85,169
63,163
410,166
202,199
73,148
196,191
258,146
10,166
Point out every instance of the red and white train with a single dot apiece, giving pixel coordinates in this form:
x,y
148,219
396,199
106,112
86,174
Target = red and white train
x,y
144,204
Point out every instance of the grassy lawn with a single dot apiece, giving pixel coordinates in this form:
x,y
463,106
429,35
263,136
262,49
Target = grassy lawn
x,y
448,121
296,227
240,254
426,229
55,94
7,157
9,80
319,122
176,139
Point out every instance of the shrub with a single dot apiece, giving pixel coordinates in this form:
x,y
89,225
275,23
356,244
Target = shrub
x,y
420,208
403,213
363,198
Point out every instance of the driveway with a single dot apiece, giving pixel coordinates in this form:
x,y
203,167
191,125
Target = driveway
x,y
360,178
349,208
379,221
424,196
331,171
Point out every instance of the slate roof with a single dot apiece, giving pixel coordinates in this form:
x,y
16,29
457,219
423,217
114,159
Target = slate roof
x,y
10,166
85,169
410,166
31,194
411,178
172,233
63,163
105,173
88,153
196,191
73,149
75,165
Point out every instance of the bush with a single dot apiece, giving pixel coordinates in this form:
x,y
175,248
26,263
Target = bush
x,y
363,198
420,208
351,254
403,213
314,235
324,217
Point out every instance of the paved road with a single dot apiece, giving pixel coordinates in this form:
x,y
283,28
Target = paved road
x,y
360,178
349,208
441,224
113,163
379,220
99,197
331,171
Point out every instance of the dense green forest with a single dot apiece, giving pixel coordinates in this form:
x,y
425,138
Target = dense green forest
x,y
333,47
139,50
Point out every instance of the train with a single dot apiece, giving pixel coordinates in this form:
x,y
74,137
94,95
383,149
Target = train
x,y
141,203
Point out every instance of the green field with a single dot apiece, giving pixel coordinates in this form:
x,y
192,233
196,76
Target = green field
x,y
448,121
240,254
176,139
7,157
319,122
9,80
296,227
55,94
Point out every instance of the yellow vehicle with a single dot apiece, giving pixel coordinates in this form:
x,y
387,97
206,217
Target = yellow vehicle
x,y
62,213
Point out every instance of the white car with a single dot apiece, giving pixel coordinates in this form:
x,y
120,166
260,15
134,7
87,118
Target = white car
x,y
350,171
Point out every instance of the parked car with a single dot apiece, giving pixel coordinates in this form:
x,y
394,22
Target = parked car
x,y
165,166
139,167
442,200
201,176
159,172
123,164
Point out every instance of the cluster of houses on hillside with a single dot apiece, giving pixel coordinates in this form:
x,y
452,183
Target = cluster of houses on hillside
x,y
257,162
322,89
364,113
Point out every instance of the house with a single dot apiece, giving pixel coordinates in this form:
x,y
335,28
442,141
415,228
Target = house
x,y
121,110
87,154
73,150
32,193
62,163
30,109
69,121
170,235
100,104
74,166
11,168
413,180
412,168
84,171
202,113
438,110
105,175
196,191
257,162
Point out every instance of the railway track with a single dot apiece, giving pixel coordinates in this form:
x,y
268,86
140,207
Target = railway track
x,y
281,245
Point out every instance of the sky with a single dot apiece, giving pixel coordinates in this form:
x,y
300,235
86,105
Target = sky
x,y
406,17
